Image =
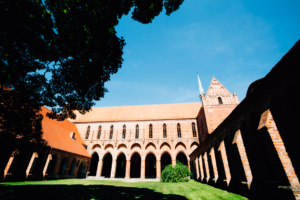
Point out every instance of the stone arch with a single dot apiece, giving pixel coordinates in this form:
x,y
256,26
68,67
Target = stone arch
x,y
96,146
52,164
63,165
150,146
135,165
121,165
107,162
165,146
94,164
82,170
108,146
194,145
165,159
136,145
180,146
122,146
120,152
150,165
182,157
72,167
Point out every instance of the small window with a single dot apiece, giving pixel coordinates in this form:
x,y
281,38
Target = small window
x,y
99,133
111,132
178,131
87,132
165,131
137,132
150,131
220,100
124,132
194,130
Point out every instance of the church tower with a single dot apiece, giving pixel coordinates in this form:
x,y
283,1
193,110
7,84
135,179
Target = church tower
x,y
217,104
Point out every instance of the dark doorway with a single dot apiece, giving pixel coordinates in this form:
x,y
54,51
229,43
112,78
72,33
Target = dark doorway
x,y
150,166
94,164
72,168
135,166
181,157
121,166
63,166
165,160
82,170
51,165
106,169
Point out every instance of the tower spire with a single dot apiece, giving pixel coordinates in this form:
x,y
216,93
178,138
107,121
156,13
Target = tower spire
x,y
201,91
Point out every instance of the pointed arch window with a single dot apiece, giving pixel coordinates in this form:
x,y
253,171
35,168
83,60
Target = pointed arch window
x,y
87,132
137,132
165,131
111,132
124,132
220,100
99,133
178,131
194,130
150,131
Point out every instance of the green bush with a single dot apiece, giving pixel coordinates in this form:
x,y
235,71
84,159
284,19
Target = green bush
x,y
175,174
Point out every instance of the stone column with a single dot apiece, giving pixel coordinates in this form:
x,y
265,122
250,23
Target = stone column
x,y
214,164
225,162
8,166
143,169
197,168
46,165
189,165
99,168
201,167
158,169
173,162
34,155
127,175
206,167
268,122
242,151
113,168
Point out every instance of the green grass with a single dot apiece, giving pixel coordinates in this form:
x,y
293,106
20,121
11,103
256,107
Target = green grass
x,y
119,190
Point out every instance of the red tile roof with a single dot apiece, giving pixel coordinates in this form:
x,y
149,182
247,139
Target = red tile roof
x,y
140,113
57,134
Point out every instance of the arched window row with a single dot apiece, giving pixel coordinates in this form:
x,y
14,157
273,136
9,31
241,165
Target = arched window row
x,y
137,131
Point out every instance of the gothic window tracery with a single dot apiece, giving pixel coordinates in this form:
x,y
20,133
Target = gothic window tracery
x,y
99,133
165,131
150,131
111,132
178,131
87,132
137,132
124,132
194,130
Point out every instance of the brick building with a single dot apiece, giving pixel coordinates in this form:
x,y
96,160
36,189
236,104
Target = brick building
x,y
139,141
255,150
65,156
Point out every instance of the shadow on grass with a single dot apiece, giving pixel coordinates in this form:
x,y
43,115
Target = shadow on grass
x,y
80,192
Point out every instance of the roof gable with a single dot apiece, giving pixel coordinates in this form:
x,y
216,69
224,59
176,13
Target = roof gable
x,y
215,87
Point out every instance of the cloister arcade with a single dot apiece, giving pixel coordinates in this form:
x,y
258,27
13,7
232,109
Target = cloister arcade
x,y
135,162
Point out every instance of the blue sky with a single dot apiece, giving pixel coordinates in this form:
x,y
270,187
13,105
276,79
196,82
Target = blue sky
x,y
238,42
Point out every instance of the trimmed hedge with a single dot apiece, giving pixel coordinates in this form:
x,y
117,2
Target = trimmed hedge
x,y
175,174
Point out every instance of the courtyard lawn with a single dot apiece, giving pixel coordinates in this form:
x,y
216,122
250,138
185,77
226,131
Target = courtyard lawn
x,y
119,190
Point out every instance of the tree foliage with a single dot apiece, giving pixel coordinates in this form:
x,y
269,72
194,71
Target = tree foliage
x,y
74,42
175,174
